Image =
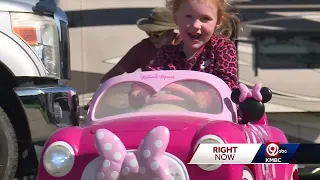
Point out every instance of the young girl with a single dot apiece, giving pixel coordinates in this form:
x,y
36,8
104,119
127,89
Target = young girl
x,y
202,49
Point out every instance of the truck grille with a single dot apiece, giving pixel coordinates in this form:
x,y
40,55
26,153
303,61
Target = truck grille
x,y
65,51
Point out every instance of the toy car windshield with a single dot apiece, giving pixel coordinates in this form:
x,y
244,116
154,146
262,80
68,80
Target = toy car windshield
x,y
161,93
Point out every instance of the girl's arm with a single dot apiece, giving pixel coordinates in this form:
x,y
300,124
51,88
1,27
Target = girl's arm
x,y
226,62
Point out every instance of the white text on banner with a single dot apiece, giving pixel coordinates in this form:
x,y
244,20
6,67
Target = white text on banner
x,y
225,153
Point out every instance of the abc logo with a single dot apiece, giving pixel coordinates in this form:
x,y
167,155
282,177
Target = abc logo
x,y
273,150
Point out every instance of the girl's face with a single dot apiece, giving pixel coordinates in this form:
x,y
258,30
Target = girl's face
x,y
197,20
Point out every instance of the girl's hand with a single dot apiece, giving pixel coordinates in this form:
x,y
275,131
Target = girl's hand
x,y
138,96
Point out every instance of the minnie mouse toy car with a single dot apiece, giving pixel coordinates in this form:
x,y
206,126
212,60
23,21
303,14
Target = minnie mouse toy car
x,y
146,125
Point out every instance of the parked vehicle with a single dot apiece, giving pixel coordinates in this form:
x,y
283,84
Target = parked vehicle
x,y
34,59
193,107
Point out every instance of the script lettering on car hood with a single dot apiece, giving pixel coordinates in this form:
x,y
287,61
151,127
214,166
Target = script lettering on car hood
x,y
156,76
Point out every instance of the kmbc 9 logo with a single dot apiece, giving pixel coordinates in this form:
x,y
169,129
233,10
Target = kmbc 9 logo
x,y
274,152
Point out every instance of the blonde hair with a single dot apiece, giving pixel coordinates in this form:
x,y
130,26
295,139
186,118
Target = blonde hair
x,y
229,20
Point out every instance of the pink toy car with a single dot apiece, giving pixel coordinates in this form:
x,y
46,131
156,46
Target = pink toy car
x,y
146,125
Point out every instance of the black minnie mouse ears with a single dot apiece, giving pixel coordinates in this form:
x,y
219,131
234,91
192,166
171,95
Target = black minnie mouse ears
x,y
251,109
265,92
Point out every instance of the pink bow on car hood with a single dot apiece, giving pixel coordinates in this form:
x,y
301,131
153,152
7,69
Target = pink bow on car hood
x,y
146,163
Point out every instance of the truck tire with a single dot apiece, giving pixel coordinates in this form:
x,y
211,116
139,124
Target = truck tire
x,y
8,148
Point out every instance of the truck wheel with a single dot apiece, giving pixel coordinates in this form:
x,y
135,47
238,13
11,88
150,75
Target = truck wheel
x,y
8,148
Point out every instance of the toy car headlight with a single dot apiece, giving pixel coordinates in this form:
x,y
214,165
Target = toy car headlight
x,y
209,139
58,159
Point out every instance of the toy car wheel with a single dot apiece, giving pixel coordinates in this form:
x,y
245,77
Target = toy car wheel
x,y
247,174
8,148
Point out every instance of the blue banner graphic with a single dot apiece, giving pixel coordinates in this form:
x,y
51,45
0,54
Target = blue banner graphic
x,y
275,153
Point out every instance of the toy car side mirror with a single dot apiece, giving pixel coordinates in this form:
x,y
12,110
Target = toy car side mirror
x,y
252,110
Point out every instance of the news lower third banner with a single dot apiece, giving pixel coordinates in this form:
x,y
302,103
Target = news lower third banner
x,y
270,153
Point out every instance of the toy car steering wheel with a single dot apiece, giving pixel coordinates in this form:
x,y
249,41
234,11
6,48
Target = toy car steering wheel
x,y
173,93
199,101
181,91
